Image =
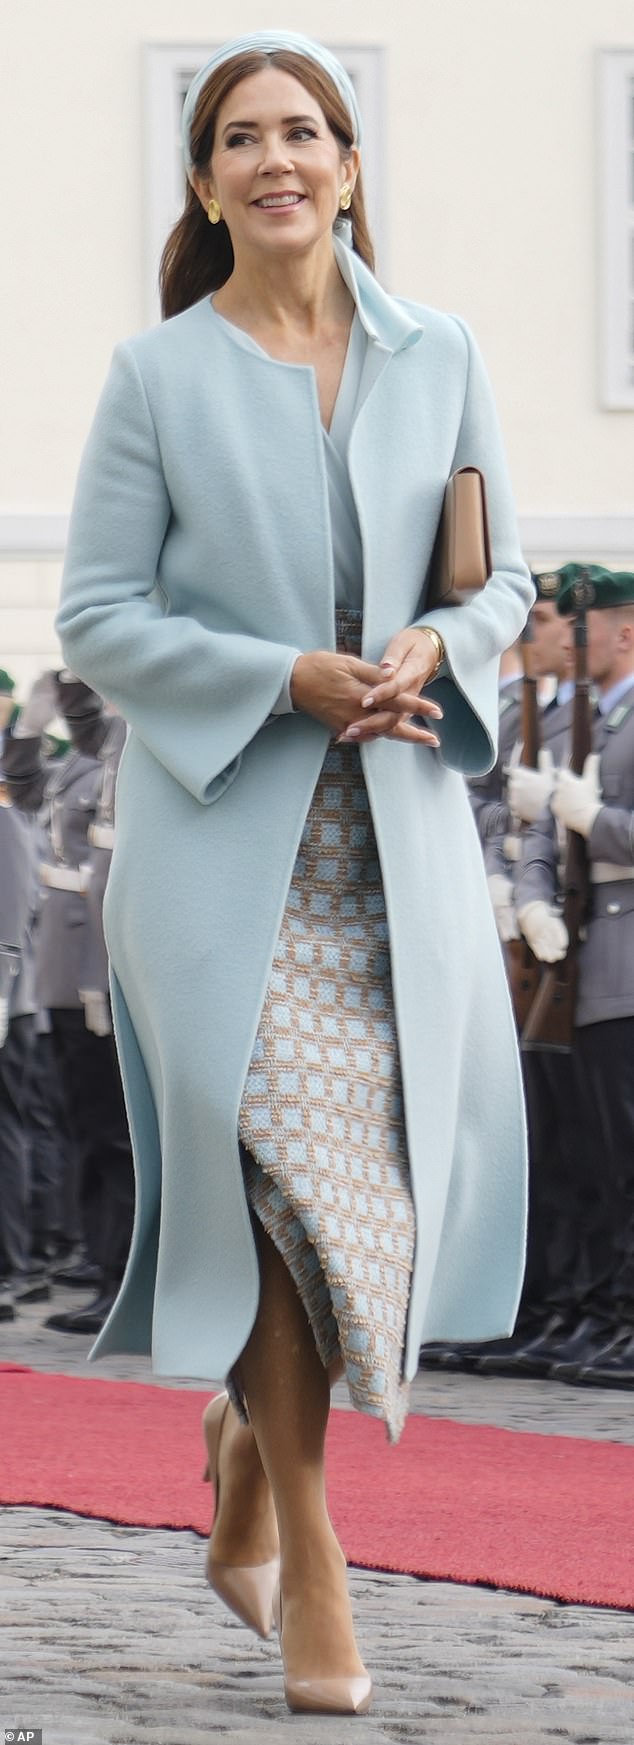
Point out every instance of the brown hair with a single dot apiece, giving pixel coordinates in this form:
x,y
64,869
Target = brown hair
x,y
198,257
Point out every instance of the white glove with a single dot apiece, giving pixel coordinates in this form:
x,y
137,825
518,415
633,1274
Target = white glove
x,y
4,1021
529,790
577,799
545,931
501,894
40,709
96,1011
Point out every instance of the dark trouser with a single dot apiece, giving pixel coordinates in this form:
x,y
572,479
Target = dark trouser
x,y
15,1228
606,1055
569,1241
94,1097
55,1215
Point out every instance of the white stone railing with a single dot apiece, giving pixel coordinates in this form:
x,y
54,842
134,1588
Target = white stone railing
x,y
36,534
32,548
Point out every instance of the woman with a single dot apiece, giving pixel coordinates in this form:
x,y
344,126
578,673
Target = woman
x,y
321,1184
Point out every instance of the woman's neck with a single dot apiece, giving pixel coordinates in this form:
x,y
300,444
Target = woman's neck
x,y
300,296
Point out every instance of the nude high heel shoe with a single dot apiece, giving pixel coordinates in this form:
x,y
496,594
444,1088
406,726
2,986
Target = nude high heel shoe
x,y
322,1696
247,1589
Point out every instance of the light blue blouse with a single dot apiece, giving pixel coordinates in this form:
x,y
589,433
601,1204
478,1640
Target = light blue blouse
x,y
362,364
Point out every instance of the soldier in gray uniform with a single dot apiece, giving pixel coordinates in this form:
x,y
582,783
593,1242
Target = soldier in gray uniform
x,y
47,1137
487,793
559,1266
71,978
101,844
599,805
500,802
18,903
525,791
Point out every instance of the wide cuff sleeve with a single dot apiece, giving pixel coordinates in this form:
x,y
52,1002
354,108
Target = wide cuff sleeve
x,y
194,696
475,635
284,704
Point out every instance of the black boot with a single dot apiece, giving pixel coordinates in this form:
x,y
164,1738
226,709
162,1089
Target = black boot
x,y
452,1358
89,1319
592,1333
609,1366
507,1356
84,1274
31,1287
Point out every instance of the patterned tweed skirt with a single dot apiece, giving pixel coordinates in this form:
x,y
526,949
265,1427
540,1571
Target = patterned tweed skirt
x,y
321,1122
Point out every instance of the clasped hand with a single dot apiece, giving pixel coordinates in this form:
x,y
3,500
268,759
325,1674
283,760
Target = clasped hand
x,y
359,701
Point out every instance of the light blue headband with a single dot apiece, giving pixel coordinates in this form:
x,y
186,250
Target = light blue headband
x,y
266,42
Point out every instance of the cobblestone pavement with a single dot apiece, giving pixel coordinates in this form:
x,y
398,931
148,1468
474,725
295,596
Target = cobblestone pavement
x,y
110,1636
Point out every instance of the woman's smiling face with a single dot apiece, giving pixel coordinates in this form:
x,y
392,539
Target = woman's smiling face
x,y
276,168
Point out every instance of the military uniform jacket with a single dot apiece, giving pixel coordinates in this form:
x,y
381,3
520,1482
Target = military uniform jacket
x,y
606,956
502,845
68,799
18,900
487,793
96,959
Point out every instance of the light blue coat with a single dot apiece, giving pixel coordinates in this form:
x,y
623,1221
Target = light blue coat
x,y
199,559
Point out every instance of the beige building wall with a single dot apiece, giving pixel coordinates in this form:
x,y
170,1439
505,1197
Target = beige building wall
x,y
492,210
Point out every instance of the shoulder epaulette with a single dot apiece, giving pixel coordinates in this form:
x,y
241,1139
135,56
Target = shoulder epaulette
x,y
618,715
506,702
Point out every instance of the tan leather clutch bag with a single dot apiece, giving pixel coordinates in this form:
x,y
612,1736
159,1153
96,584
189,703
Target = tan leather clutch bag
x,y
461,558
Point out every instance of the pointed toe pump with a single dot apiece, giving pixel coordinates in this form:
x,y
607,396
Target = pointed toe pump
x,y
247,1589
322,1696
328,1696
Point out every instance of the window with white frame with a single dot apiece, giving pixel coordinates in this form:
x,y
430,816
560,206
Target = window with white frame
x,y
168,70
616,93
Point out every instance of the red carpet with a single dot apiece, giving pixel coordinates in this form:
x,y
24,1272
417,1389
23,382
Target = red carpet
x,y
547,1515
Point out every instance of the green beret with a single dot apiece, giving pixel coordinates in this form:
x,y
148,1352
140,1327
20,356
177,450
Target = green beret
x,y
594,587
7,684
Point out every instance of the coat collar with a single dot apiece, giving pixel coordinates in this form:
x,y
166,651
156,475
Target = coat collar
x,y
385,320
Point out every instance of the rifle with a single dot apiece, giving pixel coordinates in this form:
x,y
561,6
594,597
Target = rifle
x,y
551,1017
522,967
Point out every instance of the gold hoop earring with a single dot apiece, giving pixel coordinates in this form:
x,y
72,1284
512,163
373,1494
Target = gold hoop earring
x,y
345,197
214,212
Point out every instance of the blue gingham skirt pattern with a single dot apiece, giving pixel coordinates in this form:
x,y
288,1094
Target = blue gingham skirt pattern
x,y
321,1122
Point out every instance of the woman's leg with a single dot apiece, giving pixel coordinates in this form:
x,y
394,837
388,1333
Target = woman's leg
x,y
288,1395
245,1523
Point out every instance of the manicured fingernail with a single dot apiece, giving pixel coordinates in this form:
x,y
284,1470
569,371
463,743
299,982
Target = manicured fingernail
x,y
352,733
367,702
436,712
434,742
387,666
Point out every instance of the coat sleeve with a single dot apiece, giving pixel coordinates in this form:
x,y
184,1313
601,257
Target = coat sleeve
x,y
475,635
195,697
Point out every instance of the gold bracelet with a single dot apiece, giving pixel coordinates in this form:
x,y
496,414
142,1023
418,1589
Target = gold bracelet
x,y
439,647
